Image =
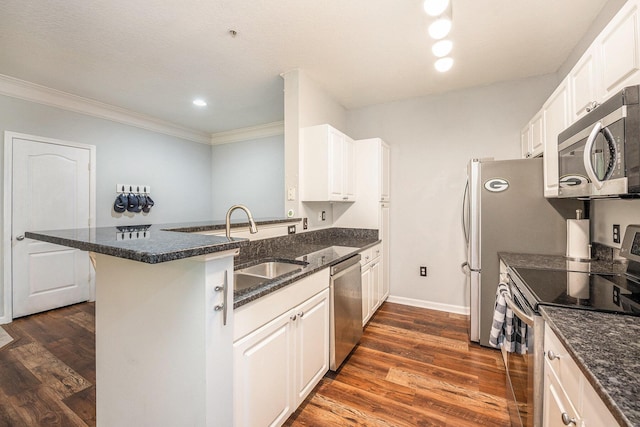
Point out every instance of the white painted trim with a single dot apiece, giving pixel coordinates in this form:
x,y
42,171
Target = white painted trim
x,y
248,133
456,309
33,92
7,284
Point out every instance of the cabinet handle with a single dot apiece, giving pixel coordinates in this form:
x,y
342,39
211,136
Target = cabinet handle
x,y
20,238
345,198
552,356
567,420
224,288
293,317
592,106
301,314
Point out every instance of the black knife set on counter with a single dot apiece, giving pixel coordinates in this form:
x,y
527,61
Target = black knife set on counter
x,y
133,201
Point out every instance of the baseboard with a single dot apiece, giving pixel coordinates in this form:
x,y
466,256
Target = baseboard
x,y
456,309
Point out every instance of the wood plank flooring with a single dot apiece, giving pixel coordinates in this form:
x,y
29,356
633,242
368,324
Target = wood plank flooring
x,y
47,374
413,367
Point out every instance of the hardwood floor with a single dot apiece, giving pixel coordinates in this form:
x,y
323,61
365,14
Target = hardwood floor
x,y
47,374
413,367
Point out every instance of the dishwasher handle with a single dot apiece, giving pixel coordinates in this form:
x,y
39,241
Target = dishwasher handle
x,y
344,265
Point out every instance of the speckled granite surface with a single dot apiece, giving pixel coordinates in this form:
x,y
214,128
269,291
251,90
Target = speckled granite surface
x,y
558,262
154,243
606,347
320,249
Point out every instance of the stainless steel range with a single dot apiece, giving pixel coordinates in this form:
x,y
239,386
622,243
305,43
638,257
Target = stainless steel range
x,y
530,288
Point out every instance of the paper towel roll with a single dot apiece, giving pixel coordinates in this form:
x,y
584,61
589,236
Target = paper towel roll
x,y
578,239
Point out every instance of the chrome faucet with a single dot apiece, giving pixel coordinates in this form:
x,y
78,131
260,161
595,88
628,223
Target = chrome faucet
x,y
253,229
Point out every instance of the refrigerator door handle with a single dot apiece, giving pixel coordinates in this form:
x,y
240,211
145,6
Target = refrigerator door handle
x,y
465,212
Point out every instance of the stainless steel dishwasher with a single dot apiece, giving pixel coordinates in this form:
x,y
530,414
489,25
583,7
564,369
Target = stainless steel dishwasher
x,y
346,310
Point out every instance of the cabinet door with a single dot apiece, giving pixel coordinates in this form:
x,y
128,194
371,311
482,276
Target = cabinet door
x,y
349,169
556,119
336,160
594,412
556,403
618,52
376,285
384,172
537,134
582,79
367,294
263,369
312,343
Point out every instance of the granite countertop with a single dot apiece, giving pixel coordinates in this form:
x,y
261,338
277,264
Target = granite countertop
x,y
559,262
150,243
606,347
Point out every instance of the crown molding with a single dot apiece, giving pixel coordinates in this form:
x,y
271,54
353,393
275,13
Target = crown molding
x,y
248,133
33,92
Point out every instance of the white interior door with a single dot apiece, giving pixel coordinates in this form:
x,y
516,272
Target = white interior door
x,y
51,189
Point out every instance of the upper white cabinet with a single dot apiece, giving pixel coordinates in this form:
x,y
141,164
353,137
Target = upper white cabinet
x,y
327,165
555,114
618,52
609,64
582,80
532,137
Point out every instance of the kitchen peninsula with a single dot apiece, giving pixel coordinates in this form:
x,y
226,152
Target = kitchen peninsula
x,y
164,315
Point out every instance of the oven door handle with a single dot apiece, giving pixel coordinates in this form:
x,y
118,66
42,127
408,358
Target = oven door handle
x,y
518,312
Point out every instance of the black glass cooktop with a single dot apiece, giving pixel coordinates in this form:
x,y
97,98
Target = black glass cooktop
x,y
600,292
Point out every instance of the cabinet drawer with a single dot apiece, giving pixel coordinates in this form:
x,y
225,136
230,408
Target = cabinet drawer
x,y
367,256
376,251
560,361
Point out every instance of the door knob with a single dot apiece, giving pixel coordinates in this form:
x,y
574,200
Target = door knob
x,y
20,237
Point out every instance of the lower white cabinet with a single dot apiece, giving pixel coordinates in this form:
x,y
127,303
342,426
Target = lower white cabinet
x,y
373,291
278,364
569,398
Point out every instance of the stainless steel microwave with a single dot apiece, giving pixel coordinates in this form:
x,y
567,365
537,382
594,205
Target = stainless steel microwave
x,y
599,155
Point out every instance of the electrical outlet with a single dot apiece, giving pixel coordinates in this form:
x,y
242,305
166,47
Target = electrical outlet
x,y
291,229
616,233
423,271
324,215
305,223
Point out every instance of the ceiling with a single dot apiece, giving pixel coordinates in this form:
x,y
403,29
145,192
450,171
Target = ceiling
x,y
155,57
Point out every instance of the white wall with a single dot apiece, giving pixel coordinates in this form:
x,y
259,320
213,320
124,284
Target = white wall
x,y
178,171
605,213
306,104
431,140
250,173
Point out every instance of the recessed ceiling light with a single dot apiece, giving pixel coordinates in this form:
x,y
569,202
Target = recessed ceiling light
x,y
200,102
442,48
440,28
444,64
435,7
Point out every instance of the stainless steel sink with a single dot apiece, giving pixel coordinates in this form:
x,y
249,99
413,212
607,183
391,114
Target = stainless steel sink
x,y
262,273
271,269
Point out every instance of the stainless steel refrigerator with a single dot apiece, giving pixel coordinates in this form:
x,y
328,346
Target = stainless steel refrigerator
x,y
505,211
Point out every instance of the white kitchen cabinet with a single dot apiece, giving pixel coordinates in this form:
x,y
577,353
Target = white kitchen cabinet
x,y
372,289
618,52
280,351
327,165
583,85
555,113
567,392
532,137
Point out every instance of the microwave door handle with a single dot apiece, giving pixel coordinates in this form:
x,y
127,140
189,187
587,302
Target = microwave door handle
x,y
588,163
